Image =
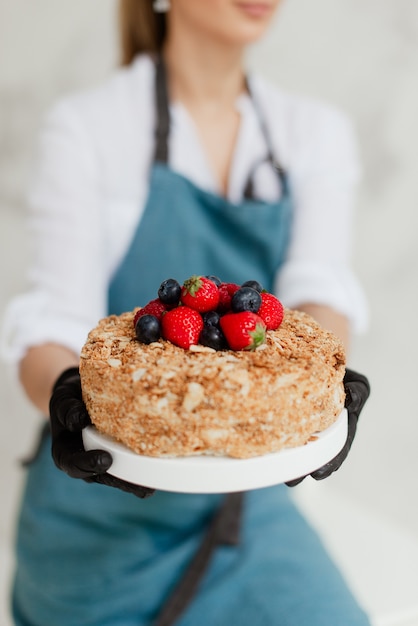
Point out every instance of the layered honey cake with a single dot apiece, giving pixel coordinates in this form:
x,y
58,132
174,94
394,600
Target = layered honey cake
x,y
160,399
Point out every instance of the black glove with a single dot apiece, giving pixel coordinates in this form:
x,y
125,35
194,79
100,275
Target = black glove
x,y
68,417
357,390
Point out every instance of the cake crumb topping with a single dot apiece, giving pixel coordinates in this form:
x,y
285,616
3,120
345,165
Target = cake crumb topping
x,y
160,399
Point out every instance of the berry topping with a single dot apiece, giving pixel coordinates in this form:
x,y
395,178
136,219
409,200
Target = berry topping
x,y
226,291
215,280
154,307
246,299
200,294
254,284
213,338
243,331
211,318
271,311
222,316
148,329
182,326
169,292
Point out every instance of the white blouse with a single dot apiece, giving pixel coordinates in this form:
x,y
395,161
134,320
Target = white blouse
x,y
91,184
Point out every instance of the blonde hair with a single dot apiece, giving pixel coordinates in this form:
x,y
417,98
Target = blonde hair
x,y
140,29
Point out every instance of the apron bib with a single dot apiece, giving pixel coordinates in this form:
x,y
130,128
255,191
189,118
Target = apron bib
x,y
89,555
185,230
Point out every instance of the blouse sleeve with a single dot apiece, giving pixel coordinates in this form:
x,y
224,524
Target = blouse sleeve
x,y
66,294
323,178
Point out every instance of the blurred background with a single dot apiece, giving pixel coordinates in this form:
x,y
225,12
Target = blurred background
x,y
361,55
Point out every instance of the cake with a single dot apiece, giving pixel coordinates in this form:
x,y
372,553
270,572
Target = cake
x,y
161,400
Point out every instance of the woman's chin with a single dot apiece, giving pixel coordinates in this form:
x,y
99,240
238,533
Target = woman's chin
x,y
247,35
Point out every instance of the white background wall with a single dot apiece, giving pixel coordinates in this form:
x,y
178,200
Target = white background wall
x,y
362,55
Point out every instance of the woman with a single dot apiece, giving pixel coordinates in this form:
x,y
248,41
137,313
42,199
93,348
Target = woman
x,y
135,183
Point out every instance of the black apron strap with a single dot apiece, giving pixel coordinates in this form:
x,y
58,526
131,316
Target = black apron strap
x,y
223,530
162,129
270,158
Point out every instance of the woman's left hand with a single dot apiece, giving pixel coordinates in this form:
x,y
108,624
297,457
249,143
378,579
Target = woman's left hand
x,y
357,390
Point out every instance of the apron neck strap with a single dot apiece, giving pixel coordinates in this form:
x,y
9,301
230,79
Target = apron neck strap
x,y
261,120
162,129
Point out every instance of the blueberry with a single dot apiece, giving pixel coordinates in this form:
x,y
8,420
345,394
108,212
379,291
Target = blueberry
x,y
169,291
148,329
254,284
211,318
213,338
246,299
215,280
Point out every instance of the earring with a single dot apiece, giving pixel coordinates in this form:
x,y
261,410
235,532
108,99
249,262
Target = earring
x,y
161,6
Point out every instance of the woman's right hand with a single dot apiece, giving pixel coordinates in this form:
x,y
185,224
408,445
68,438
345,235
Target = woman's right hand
x,y
68,417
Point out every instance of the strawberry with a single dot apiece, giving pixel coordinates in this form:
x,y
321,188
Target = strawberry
x,y
200,293
270,311
154,307
182,326
243,331
226,291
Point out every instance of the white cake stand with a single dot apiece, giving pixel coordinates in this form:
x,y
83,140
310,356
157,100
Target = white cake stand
x,y
214,474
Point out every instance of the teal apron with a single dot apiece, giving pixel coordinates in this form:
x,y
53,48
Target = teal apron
x,y
89,555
